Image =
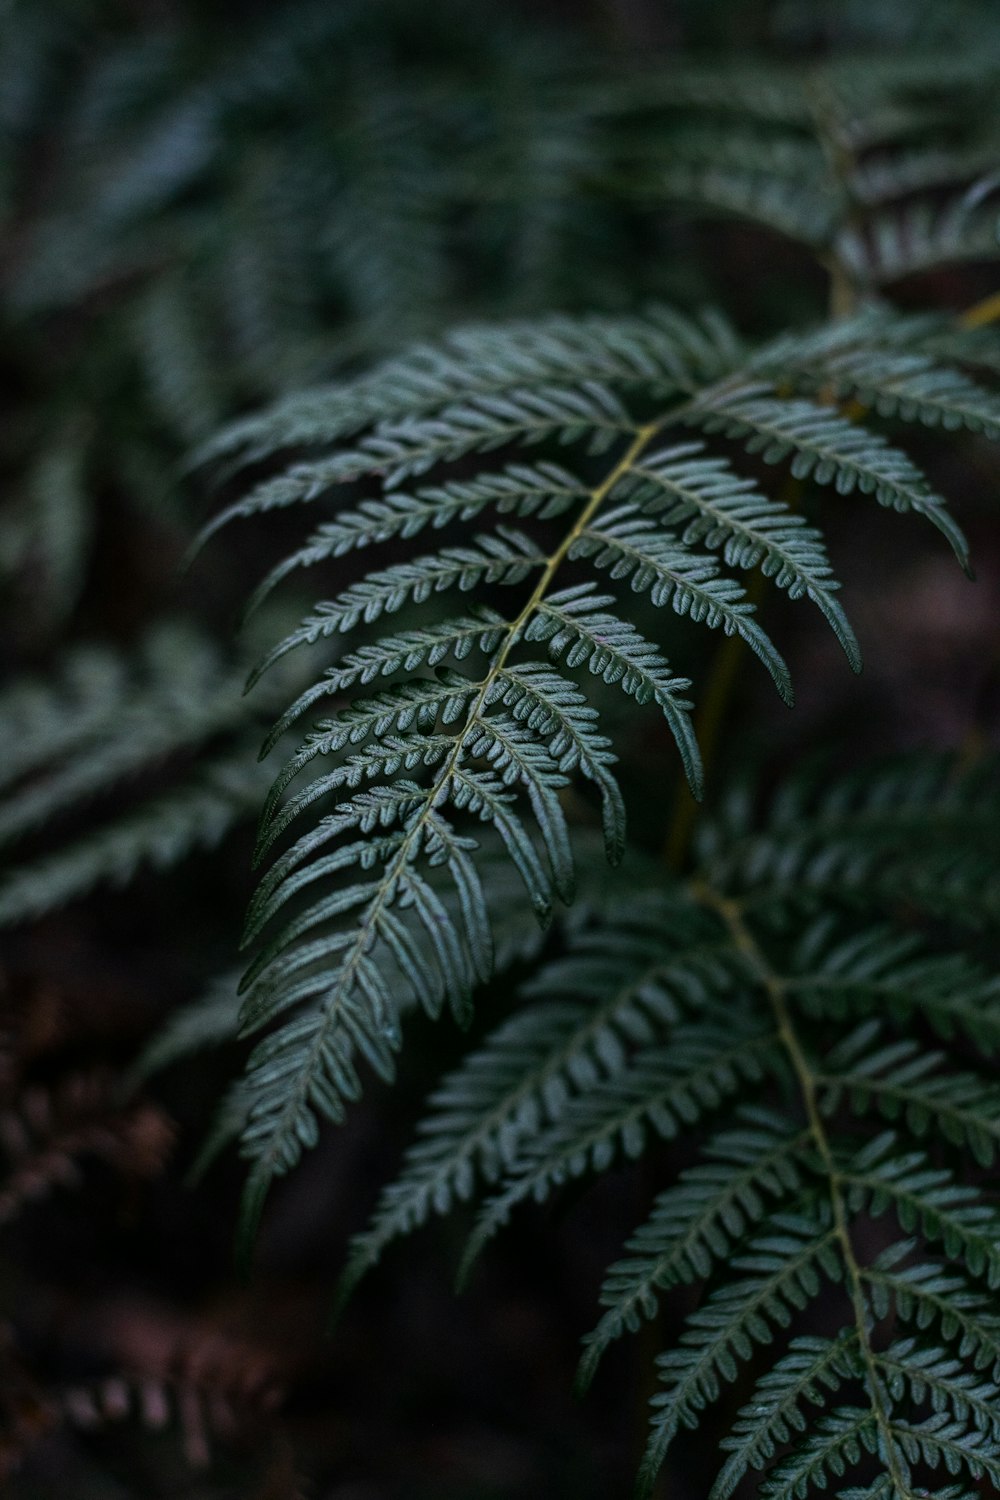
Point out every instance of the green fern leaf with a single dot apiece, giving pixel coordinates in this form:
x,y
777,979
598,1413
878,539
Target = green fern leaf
x,y
629,546
601,999
926,1296
664,1089
790,1263
717,507
697,1223
841,1439
812,1367
545,490
506,558
903,1081
827,449
481,630
929,1199
937,1377
576,626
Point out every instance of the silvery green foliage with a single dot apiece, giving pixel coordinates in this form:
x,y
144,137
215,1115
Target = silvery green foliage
x,y
588,471
834,1068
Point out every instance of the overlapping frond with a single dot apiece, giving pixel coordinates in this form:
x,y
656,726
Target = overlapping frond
x,y
918,829
711,1014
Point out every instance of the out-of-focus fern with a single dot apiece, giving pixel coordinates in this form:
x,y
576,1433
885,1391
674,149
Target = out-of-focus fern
x,y
109,719
424,169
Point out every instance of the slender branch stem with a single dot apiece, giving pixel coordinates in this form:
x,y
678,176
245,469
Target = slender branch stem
x,y
774,987
980,314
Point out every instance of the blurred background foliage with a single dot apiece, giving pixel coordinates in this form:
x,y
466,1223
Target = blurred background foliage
x,y
206,206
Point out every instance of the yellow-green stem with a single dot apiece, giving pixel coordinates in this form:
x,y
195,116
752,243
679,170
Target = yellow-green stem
x,y
982,313
774,987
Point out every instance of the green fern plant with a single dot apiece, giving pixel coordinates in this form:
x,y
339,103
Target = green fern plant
x,y
792,1018
610,476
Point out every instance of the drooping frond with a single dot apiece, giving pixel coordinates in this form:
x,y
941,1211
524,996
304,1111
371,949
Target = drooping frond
x,y
799,1021
630,547
664,1090
782,1397
788,1267
728,513
480,731
826,448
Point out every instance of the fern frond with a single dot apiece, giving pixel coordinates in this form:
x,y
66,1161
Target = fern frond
x,y
935,1376
384,236
812,1367
58,523
155,835
417,819
942,1442
552,706
183,385
828,449
840,1440
544,489
912,388
919,829
717,507
482,629
927,1199
630,546
409,446
400,709
482,744
791,1263
768,1215
886,973
505,558
663,1090
927,1296
577,627
902,1081
665,349
110,723
600,1000
696,1223
87,741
